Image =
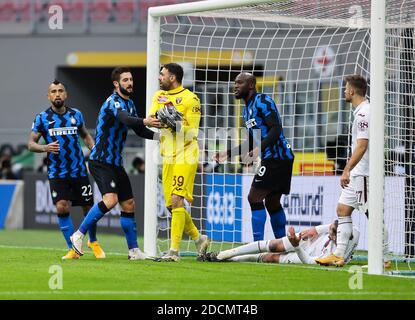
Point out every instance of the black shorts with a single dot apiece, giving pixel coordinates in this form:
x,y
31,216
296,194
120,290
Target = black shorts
x,y
111,179
76,190
274,175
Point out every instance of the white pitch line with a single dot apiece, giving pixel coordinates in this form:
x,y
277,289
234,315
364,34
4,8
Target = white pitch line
x,y
213,293
54,249
342,269
339,269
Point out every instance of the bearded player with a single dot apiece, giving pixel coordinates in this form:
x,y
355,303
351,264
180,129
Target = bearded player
x,y
61,127
179,109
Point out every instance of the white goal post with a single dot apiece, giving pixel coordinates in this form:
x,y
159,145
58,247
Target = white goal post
x,y
364,35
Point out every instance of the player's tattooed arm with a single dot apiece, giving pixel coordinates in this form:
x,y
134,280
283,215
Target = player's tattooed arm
x,y
34,146
86,136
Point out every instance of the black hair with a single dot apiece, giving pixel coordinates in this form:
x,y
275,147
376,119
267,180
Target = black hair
x,y
175,69
116,73
56,82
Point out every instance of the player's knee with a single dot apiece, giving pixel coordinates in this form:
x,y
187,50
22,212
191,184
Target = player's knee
x,y
271,258
273,245
85,210
254,199
128,205
110,200
177,201
272,207
343,210
62,207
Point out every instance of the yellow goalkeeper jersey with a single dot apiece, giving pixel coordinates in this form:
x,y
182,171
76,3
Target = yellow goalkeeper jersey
x,y
183,143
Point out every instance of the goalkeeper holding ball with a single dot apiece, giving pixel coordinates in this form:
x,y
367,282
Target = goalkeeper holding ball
x,y
179,110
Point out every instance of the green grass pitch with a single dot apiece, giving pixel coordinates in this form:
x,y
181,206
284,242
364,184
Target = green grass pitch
x,y
26,258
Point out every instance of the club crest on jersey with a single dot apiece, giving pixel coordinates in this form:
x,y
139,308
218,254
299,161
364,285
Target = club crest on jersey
x,y
162,99
73,121
179,100
250,123
54,194
250,112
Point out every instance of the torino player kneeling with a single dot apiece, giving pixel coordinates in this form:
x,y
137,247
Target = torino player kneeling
x,y
305,247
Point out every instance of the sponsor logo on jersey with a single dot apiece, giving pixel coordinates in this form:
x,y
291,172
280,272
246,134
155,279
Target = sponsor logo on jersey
x,y
179,100
66,131
162,99
361,114
363,125
250,123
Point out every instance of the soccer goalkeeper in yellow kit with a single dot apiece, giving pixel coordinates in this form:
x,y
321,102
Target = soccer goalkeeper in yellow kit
x,y
179,109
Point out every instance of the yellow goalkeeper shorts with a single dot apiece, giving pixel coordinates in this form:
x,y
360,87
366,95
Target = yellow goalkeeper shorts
x,y
178,179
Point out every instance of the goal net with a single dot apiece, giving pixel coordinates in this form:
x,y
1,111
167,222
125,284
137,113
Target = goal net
x,y
300,52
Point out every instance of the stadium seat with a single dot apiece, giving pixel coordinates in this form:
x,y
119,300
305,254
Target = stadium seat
x,y
125,11
24,11
8,11
77,13
100,10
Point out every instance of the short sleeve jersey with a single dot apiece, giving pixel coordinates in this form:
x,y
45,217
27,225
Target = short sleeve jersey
x,y
255,112
64,128
360,130
111,133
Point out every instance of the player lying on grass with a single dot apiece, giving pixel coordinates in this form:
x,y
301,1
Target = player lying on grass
x,y
305,247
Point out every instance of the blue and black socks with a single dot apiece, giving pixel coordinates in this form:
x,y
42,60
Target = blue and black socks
x,y
258,218
66,226
278,222
93,216
128,224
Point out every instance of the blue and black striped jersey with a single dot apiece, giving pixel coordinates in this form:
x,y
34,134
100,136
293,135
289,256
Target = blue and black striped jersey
x,y
64,128
259,108
111,133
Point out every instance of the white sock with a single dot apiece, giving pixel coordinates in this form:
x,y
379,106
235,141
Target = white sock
x,y
344,231
253,247
79,234
247,258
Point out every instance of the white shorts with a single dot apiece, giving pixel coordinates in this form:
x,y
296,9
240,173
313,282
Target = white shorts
x,y
356,194
290,257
